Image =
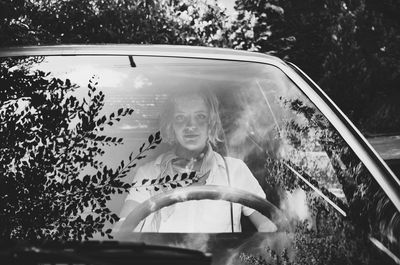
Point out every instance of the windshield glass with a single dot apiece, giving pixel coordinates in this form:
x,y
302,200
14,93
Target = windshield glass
x,y
87,139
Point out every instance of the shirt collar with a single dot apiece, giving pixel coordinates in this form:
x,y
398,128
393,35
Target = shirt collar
x,y
165,158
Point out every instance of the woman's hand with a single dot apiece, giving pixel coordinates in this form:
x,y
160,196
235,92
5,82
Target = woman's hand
x,y
125,211
262,223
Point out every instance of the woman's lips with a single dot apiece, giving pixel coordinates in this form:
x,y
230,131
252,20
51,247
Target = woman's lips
x,y
191,136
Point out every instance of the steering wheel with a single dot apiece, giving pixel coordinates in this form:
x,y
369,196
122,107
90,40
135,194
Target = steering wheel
x,y
201,192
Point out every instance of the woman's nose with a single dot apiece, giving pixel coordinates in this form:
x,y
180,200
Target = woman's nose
x,y
190,122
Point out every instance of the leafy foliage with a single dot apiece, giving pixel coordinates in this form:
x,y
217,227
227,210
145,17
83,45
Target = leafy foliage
x,y
349,47
369,211
167,182
53,185
368,204
110,21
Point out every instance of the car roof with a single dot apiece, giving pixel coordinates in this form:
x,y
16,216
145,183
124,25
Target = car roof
x,y
141,50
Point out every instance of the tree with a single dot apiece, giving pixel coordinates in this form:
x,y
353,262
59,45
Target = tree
x,y
200,23
345,240
53,185
112,21
349,47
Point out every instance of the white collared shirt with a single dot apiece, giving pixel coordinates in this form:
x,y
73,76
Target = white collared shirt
x,y
205,216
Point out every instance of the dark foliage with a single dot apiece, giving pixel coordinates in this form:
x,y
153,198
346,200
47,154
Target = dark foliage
x,y
53,185
369,211
109,21
166,182
351,48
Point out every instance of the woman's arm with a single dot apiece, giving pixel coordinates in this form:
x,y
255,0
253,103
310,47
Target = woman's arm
x,y
135,196
262,223
128,206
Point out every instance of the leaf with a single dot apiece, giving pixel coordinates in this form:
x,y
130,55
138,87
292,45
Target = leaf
x,y
141,148
100,138
89,218
161,180
86,179
144,181
192,174
151,138
184,176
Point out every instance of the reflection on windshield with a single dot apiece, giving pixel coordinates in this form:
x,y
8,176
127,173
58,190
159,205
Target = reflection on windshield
x,y
80,142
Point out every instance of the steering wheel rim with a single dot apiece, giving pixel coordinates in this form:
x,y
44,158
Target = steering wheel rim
x,y
201,192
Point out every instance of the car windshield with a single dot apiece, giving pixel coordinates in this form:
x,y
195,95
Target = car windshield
x,y
84,136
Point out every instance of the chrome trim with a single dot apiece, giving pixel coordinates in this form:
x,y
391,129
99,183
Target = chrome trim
x,y
382,247
139,50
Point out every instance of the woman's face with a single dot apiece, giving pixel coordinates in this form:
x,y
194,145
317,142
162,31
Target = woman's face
x,y
191,122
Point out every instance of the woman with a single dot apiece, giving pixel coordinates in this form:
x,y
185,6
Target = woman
x,y
191,124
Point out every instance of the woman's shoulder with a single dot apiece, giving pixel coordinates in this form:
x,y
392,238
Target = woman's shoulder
x,y
232,162
236,166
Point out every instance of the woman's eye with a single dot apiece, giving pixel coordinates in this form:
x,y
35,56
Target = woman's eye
x,y
179,118
202,116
